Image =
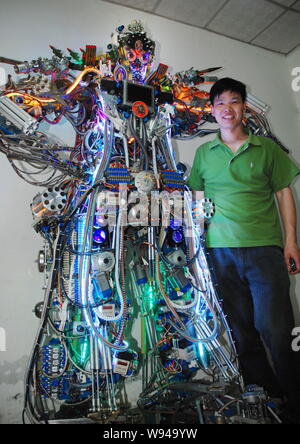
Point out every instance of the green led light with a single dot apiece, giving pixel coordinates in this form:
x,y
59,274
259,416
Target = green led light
x,y
149,296
204,355
84,351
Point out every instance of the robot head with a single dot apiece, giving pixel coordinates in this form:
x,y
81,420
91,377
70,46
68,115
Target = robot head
x,y
137,50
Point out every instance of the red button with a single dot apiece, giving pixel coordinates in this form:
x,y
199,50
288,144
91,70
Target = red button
x,y
140,109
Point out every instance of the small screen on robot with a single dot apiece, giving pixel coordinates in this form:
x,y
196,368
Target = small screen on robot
x,y
133,93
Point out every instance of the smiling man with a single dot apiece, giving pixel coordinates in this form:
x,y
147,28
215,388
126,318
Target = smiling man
x,y
244,175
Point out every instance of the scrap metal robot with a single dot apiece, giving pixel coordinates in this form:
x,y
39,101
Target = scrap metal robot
x,y
122,244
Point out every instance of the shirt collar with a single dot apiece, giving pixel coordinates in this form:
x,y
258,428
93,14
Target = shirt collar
x,y
252,140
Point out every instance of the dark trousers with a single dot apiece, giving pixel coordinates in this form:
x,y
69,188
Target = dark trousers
x,y
253,284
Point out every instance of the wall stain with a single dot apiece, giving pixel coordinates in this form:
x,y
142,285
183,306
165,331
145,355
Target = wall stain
x,y
12,372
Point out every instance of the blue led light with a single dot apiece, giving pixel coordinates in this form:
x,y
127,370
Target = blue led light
x,y
99,220
99,236
177,236
174,223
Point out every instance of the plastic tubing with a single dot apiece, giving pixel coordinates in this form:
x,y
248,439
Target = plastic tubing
x,y
70,118
140,142
55,121
82,285
125,149
166,153
89,218
169,144
188,306
122,294
165,296
196,340
117,281
154,155
194,265
31,365
78,78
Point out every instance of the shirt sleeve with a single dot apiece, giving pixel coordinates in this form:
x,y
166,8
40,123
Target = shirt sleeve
x,y
195,181
283,169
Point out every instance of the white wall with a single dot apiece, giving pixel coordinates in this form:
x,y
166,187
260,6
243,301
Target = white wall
x,y
26,30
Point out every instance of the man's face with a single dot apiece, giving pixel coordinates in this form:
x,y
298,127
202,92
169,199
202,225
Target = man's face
x,y
228,110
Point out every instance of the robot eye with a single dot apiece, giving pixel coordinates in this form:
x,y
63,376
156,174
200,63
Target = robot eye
x,y
145,57
131,56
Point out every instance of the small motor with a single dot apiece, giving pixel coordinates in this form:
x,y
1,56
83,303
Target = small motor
x,y
177,257
103,262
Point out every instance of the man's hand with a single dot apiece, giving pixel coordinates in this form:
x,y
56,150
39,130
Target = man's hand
x,y
292,257
287,209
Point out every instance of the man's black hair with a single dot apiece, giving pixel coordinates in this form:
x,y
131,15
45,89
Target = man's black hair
x,y
228,84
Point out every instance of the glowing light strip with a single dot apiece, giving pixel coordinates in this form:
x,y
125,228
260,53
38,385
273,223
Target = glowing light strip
x,y
69,90
76,82
32,98
194,108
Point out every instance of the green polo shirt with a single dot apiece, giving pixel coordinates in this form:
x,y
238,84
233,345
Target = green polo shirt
x,y
242,186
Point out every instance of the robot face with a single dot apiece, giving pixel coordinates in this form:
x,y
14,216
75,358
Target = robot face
x,y
139,60
136,50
